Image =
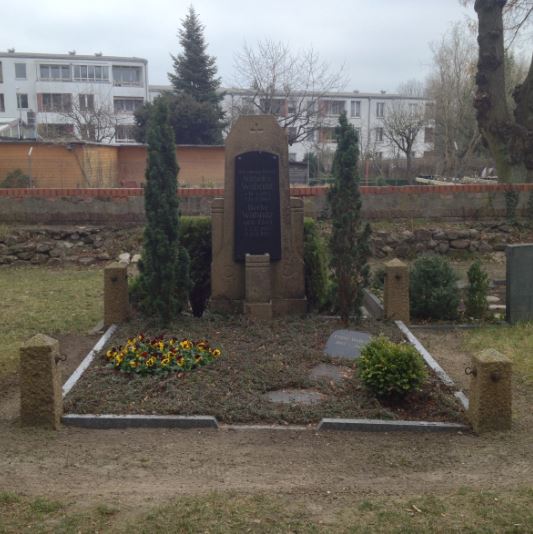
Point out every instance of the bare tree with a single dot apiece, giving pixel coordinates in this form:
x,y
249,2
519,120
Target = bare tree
x,y
92,120
403,120
275,80
451,86
508,134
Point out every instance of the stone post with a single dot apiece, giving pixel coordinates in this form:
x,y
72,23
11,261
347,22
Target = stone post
x,y
41,400
490,392
396,291
116,300
258,286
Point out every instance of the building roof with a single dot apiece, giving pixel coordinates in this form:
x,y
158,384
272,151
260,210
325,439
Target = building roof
x,y
94,57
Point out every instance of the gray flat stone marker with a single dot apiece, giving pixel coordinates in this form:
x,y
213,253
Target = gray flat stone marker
x,y
328,372
346,344
294,396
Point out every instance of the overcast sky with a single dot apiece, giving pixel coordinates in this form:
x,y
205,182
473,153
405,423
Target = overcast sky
x,y
381,43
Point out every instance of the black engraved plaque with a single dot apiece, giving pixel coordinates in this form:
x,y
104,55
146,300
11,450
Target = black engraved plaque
x,y
257,209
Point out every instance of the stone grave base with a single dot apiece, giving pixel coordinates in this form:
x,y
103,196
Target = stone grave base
x,y
279,307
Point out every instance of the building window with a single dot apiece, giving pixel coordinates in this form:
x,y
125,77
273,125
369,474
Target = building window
x,y
292,132
355,108
429,135
292,156
413,109
20,71
274,106
55,131
127,105
327,135
61,102
91,73
429,110
1,75
54,72
333,107
126,75
378,155
86,102
22,101
380,109
125,133
379,135
292,106
2,105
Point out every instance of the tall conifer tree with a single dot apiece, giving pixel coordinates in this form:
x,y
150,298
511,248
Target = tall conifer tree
x,y
349,243
194,70
163,281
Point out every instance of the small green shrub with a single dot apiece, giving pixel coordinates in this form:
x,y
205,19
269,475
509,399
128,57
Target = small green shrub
x,y
195,237
433,290
16,179
391,369
316,266
478,289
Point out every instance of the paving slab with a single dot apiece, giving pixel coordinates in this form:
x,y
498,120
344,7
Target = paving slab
x,y
328,372
346,344
294,396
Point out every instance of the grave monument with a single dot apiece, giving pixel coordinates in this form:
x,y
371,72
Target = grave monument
x,y
257,228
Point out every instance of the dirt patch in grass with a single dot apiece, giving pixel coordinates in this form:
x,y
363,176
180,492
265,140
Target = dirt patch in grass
x,y
257,358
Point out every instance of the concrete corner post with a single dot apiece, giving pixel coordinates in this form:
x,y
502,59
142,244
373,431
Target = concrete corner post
x,y
490,406
258,286
396,291
41,400
116,299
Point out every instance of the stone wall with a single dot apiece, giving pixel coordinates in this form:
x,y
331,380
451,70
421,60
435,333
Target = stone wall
x,y
88,245
126,205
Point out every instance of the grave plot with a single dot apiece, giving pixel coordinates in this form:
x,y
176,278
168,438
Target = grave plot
x,y
268,372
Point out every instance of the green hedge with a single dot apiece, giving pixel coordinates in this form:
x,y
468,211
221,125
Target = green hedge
x,y
316,266
195,237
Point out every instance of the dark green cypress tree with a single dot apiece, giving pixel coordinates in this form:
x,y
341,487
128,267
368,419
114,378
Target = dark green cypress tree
x,y
349,243
163,282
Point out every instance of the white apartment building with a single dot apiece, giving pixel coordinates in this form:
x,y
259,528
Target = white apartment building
x,y
366,111
69,95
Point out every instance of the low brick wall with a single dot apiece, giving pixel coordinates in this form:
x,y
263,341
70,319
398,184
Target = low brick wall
x,y
101,206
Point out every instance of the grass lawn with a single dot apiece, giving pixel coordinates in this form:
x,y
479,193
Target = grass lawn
x,y
257,357
43,300
516,342
465,510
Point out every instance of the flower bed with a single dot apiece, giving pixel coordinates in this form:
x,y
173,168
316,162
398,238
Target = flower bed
x,y
160,355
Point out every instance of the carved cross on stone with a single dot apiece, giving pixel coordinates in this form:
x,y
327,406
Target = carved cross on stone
x,y
256,129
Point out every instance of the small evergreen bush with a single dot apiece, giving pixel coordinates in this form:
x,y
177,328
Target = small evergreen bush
x,y
316,266
478,289
433,290
195,237
15,179
391,369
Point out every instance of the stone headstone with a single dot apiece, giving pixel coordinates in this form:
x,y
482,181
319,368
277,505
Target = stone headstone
x,y
519,297
257,217
346,344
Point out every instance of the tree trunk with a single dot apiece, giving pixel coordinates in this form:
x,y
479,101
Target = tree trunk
x,y
506,138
